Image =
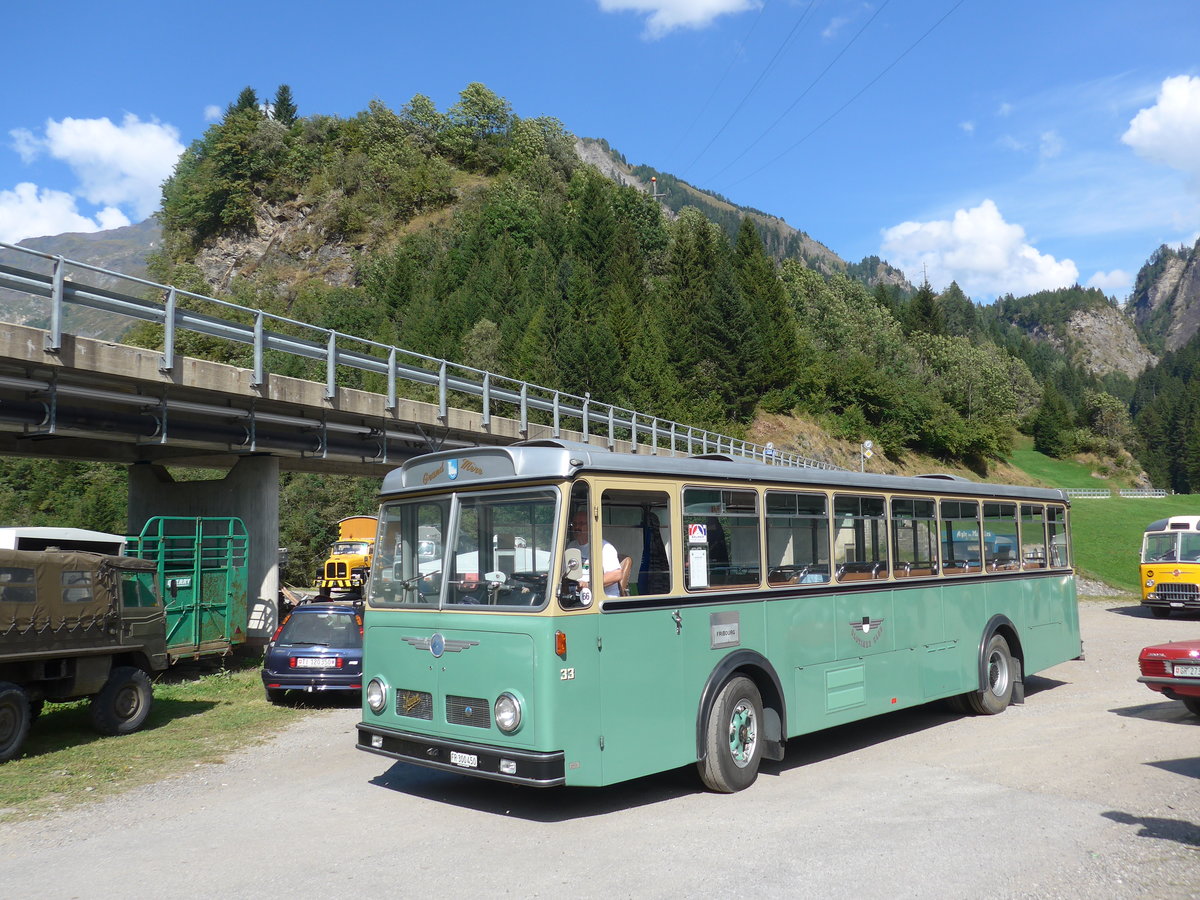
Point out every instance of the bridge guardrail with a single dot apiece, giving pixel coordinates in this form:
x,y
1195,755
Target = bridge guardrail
x,y
394,363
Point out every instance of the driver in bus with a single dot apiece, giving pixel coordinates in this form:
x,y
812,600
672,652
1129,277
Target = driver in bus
x,y
609,559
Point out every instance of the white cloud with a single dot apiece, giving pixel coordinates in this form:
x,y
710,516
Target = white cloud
x,y
212,113
968,127
118,165
986,255
667,15
27,212
1118,281
1050,145
1004,110
1169,131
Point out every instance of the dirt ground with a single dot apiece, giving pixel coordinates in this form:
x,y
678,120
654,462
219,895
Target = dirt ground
x,y
1088,789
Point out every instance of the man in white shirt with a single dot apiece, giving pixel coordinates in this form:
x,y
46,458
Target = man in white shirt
x,y
610,563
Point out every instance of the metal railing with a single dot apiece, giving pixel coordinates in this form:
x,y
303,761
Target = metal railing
x,y
265,332
1104,494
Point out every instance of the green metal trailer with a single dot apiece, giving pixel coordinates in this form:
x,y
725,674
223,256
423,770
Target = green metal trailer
x,y
202,570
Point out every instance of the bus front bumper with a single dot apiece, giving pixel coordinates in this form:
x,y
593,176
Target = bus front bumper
x,y
481,760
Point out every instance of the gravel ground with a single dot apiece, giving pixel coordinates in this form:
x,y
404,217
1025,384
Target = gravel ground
x,y
1088,789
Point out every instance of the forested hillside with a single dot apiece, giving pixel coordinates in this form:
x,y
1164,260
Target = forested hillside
x,y
477,235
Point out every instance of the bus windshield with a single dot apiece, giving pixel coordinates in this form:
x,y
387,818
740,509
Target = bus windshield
x,y
479,549
1170,546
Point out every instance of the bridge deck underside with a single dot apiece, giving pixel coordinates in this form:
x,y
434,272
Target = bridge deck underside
x,y
100,401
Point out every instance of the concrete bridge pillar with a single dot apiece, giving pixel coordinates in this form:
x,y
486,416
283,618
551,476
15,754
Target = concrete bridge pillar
x,y
249,491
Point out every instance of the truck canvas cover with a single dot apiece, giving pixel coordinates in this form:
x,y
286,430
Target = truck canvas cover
x,y
62,599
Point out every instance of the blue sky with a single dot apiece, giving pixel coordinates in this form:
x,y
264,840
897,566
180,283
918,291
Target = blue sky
x,y
1009,146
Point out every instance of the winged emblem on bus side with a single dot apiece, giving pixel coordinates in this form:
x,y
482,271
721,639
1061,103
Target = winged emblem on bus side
x,y
437,645
866,631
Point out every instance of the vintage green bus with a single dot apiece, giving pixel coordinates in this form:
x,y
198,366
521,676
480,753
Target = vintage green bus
x,y
747,604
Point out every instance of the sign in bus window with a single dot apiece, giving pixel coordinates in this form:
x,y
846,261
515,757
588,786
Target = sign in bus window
x,y
859,538
721,529
961,553
1000,536
797,538
1033,536
914,538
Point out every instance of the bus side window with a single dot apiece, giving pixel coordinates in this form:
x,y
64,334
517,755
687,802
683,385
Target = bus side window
x,y
860,544
1033,536
914,538
797,538
635,523
961,551
1056,528
723,547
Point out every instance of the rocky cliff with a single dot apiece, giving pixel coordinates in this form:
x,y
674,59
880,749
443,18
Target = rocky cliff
x,y
1166,298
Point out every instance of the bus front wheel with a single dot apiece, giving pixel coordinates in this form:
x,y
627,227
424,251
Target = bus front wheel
x,y
999,668
733,738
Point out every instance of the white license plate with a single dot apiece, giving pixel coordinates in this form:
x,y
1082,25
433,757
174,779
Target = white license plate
x,y
466,760
1187,671
316,662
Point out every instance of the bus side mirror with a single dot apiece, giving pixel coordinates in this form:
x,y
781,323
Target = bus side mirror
x,y
573,564
568,592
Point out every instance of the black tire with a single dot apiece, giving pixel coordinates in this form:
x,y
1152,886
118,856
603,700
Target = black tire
x,y
123,703
733,738
1000,669
14,720
1192,704
36,705
1160,612
275,695
958,705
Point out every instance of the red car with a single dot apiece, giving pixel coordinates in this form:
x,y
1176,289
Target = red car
x,y
1173,669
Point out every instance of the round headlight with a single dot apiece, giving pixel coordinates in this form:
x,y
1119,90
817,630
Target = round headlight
x,y
508,713
376,695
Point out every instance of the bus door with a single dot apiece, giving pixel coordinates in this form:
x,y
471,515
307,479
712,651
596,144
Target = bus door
x,y
647,725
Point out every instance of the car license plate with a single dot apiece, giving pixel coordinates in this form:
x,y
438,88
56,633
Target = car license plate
x,y
466,760
1187,671
316,662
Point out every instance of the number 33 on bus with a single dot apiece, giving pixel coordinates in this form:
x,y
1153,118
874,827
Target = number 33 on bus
x,y
586,617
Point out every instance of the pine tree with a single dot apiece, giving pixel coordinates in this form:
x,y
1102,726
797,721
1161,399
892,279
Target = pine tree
x,y
284,108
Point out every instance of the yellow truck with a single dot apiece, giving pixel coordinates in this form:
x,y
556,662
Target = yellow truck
x,y
349,560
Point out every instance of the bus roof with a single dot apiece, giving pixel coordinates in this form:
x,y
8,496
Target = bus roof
x,y
1175,523
561,460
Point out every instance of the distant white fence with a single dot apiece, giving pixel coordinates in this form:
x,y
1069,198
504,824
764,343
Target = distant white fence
x,y
1103,494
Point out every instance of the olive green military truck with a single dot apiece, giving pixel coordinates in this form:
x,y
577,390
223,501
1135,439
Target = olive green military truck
x,y
72,625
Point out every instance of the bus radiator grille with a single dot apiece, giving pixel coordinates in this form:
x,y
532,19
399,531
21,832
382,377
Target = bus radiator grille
x,y
414,704
468,711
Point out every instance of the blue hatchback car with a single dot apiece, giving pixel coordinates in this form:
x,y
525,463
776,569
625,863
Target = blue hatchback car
x,y
319,647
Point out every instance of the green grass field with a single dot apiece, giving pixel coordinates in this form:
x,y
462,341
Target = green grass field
x,y
1107,534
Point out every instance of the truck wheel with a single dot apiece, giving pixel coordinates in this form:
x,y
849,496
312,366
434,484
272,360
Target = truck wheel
x,y
123,703
997,692
14,720
733,743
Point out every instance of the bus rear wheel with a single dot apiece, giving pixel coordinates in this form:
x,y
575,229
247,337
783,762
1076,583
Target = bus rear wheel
x,y
733,741
997,693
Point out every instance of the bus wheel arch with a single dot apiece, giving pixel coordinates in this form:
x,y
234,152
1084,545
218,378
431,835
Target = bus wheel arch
x,y
758,669
1001,664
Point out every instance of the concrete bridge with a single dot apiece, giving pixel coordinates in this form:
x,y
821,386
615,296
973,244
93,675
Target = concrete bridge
x,y
65,395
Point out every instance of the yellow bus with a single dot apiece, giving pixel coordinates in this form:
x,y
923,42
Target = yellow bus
x,y
1171,565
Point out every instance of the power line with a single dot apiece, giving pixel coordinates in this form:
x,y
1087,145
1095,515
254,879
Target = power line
x,y
720,81
841,108
803,93
754,86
